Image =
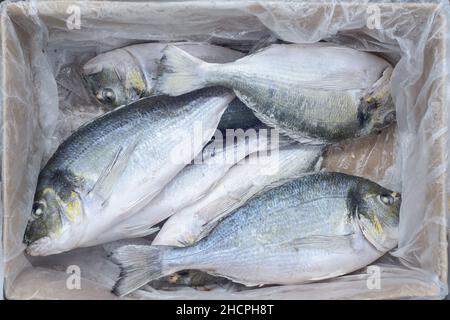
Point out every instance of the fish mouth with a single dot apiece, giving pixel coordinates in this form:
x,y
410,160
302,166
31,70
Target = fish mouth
x,y
388,119
27,239
38,247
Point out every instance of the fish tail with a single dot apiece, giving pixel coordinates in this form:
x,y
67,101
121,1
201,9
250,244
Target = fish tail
x,y
179,72
138,264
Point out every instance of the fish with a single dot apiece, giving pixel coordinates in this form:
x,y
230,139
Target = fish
x,y
127,74
113,166
319,226
192,183
313,93
249,177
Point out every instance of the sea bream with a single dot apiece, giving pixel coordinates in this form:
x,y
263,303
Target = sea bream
x,y
127,74
314,93
316,227
113,166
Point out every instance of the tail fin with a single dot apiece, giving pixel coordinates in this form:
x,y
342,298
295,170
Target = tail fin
x,y
179,72
138,264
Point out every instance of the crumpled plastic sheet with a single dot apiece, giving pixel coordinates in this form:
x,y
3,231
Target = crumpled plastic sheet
x,y
43,101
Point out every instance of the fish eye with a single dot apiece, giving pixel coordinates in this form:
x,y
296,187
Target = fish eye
x,y
38,209
386,199
108,95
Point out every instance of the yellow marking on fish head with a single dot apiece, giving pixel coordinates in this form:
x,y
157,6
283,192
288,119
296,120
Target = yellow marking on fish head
x,y
135,80
377,97
376,223
73,208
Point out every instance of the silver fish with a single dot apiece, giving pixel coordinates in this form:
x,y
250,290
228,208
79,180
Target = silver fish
x,y
242,181
112,167
127,74
320,226
316,94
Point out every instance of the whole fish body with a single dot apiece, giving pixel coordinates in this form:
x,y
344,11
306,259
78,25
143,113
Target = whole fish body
x,y
127,74
112,167
242,181
188,186
319,226
316,94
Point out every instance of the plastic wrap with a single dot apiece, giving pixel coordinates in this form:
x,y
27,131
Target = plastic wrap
x,y
43,101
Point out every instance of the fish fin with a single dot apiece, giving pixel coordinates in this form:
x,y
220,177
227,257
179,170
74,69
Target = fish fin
x,y
277,183
334,242
318,164
179,72
139,231
138,265
281,181
207,227
91,68
104,185
122,234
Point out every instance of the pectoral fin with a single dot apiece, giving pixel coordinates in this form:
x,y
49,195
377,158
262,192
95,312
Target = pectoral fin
x,y
107,180
335,243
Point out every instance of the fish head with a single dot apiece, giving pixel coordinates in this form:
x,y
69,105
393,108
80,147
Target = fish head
x,y
377,109
54,216
377,215
113,79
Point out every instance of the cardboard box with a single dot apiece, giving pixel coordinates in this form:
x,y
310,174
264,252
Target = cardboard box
x,y
417,151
